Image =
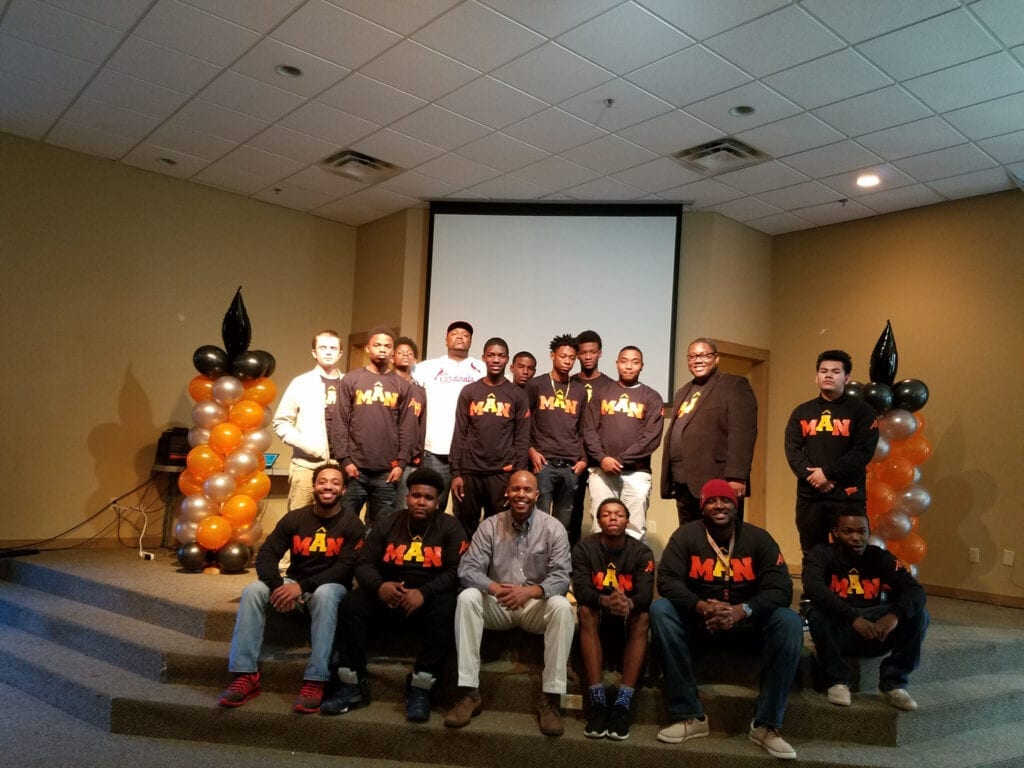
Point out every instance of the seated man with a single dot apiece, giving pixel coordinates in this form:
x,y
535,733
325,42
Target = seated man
x,y
407,574
322,540
515,574
724,582
613,581
864,602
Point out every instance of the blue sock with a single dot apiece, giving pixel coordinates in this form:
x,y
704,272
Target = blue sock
x,y
625,697
597,695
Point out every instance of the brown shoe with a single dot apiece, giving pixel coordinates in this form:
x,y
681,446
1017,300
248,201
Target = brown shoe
x,y
465,709
548,717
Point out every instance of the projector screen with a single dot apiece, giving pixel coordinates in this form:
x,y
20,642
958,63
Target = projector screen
x,y
527,273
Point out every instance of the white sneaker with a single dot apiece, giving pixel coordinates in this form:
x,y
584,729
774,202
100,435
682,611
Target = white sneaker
x,y
684,730
900,699
771,742
839,694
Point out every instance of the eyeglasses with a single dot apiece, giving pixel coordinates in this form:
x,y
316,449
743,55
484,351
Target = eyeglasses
x,y
701,356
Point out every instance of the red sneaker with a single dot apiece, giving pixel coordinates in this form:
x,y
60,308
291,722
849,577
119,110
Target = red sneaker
x,y
245,686
310,696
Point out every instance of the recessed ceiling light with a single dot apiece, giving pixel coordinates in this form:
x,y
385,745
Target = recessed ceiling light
x,y
287,70
742,109
167,161
868,180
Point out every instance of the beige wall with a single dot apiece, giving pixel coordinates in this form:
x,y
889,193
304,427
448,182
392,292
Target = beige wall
x,y
112,276
948,277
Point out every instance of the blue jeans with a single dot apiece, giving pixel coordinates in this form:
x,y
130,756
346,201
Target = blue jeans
x,y
836,638
557,490
777,636
374,490
247,639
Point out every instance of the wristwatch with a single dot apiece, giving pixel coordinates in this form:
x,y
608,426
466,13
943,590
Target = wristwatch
x,y
747,610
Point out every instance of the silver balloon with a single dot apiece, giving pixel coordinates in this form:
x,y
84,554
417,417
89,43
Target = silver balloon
x,y
914,498
257,441
185,531
917,475
209,414
197,508
227,390
912,570
248,534
877,541
897,424
268,417
893,526
219,487
881,450
198,436
241,463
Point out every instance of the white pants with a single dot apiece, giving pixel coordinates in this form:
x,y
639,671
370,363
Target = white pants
x,y
552,617
633,489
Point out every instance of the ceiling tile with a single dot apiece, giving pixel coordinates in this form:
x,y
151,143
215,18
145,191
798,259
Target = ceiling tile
x,y
873,111
671,133
833,213
88,140
899,199
951,161
1003,18
768,107
832,159
744,209
625,38
348,212
328,124
774,42
658,175
251,97
318,180
232,179
151,157
911,138
417,186
552,73
457,171
502,152
831,78
187,29
106,117
211,118
971,184
291,196
382,199
22,96
127,92
440,127
976,81
630,105
890,177
334,34
294,144
702,19
258,15
554,173
778,224
934,44
260,163
477,36
798,196
548,18
400,15
689,76
553,131
70,34
396,148
491,102
794,134
120,14
869,18
604,189
609,154
989,119
1008,148
186,141
704,193
507,188
371,100
43,65
420,71
317,74
163,66
762,177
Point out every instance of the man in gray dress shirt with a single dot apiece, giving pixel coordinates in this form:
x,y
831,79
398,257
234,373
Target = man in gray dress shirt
x,y
515,574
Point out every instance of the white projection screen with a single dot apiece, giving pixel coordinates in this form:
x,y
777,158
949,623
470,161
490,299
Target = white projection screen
x,y
529,272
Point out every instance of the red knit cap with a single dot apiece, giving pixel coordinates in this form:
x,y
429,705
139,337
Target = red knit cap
x,y
714,488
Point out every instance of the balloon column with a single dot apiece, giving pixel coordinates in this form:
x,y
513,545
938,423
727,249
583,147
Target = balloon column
x,y
224,478
896,497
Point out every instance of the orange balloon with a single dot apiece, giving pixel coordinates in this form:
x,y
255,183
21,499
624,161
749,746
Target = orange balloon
x,y
914,522
919,418
246,414
880,498
911,550
897,471
213,533
203,461
225,438
255,486
239,510
200,388
188,485
262,391
916,448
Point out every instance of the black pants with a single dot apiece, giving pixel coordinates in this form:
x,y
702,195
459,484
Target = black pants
x,y
480,492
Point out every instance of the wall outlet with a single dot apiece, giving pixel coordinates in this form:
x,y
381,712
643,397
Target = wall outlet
x,y
1007,557
652,526
974,555
572,701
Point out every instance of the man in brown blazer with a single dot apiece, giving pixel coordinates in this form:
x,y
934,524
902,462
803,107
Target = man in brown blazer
x,y
711,434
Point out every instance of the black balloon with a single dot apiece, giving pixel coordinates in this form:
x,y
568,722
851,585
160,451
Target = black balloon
x,y
854,389
878,396
909,394
270,362
884,359
211,361
192,557
236,330
233,558
248,366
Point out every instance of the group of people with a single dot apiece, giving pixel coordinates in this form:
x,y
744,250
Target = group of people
x,y
518,458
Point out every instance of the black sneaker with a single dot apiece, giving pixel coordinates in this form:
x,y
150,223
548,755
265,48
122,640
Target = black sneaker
x,y
349,696
597,723
618,723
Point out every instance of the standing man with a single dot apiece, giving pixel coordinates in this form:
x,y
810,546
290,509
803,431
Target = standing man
x,y
402,362
829,442
373,431
864,602
323,540
491,439
588,354
515,574
711,434
303,416
443,378
523,368
557,456
613,581
723,582
621,429
408,575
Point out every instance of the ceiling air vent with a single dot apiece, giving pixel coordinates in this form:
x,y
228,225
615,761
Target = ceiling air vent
x,y
360,167
720,156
